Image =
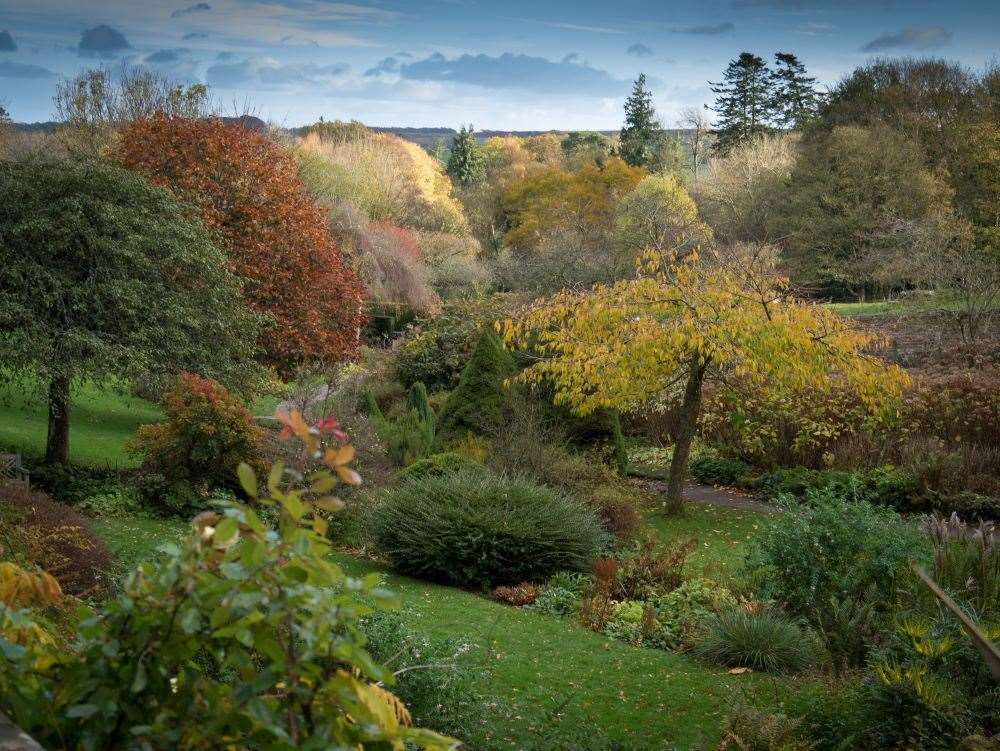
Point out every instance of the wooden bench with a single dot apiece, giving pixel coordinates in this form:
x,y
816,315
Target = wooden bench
x,y
12,471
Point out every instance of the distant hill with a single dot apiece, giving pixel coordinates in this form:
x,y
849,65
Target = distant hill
x,y
426,137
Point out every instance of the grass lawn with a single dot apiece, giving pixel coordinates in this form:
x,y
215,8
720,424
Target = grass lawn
x,y
101,422
551,675
720,534
864,308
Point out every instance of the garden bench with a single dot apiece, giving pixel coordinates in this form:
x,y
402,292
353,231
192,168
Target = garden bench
x,y
12,471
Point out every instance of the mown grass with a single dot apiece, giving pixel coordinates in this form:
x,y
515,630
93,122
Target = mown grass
x,y
101,422
552,678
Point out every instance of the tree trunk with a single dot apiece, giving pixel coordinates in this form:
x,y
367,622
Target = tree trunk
x,y
688,418
57,444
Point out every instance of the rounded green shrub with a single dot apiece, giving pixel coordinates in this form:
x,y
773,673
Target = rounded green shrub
x,y
475,528
444,463
715,470
767,640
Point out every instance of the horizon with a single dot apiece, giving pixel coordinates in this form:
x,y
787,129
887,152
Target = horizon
x,y
519,67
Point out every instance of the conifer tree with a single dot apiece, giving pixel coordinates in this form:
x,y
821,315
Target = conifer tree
x,y
466,164
642,136
743,102
794,98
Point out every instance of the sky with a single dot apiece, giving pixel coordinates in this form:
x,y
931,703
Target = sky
x,y
510,65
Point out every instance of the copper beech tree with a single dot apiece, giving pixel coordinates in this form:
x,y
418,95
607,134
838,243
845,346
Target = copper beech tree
x,y
276,239
725,317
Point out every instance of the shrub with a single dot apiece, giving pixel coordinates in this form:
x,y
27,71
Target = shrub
x,y
517,595
557,601
206,434
966,561
37,531
438,350
960,407
833,548
849,627
244,589
476,402
748,728
651,569
117,501
481,529
767,640
441,464
412,435
433,677
913,708
682,612
572,581
616,512
714,470
73,483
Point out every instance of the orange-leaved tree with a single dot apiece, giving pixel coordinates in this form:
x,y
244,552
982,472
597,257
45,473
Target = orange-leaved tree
x,y
725,317
277,240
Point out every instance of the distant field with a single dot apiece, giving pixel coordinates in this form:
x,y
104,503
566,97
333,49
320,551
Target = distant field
x,y
865,308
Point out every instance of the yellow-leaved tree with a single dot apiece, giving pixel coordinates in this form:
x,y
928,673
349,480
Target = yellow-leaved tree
x,y
725,316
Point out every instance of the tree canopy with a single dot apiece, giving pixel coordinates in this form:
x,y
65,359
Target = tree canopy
x,y
276,239
659,337
465,163
743,103
107,278
641,135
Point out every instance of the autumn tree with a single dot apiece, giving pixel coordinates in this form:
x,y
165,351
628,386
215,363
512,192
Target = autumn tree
x,y
657,214
95,103
695,121
739,195
743,102
586,147
561,224
276,238
848,190
465,163
725,318
105,278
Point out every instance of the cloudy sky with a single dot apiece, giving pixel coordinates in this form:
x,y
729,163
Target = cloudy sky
x,y
512,64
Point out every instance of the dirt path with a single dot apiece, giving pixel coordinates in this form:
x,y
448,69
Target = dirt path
x,y
708,494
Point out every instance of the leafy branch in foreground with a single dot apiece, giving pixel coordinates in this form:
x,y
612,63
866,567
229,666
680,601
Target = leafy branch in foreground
x,y
247,636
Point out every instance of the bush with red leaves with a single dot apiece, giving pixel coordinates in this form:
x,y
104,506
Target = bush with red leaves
x,y
247,188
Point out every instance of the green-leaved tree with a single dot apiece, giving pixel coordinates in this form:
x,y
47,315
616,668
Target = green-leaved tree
x,y
794,98
743,102
466,164
106,278
641,137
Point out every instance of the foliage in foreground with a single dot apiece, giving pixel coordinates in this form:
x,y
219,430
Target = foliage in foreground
x,y
245,637
475,528
767,640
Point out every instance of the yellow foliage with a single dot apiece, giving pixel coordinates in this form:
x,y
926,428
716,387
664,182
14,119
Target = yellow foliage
x,y
22,589
625,345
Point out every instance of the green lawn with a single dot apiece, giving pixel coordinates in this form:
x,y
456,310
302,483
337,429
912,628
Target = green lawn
x,y
864,308
551,675
720,535
101,422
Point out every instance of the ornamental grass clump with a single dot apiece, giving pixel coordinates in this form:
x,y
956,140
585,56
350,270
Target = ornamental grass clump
x,y
767,640
479,529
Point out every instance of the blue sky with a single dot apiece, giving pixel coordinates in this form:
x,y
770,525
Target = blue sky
x,y
517,64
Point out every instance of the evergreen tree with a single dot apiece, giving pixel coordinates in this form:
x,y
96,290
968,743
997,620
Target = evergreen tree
x,y
465,163
794,98
743,102
641,137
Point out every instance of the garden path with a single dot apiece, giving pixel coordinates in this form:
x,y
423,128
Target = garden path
x,y
709,494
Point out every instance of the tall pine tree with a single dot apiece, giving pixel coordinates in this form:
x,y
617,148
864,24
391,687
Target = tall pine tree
x,y
794,98
466,164
641,137
743,103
